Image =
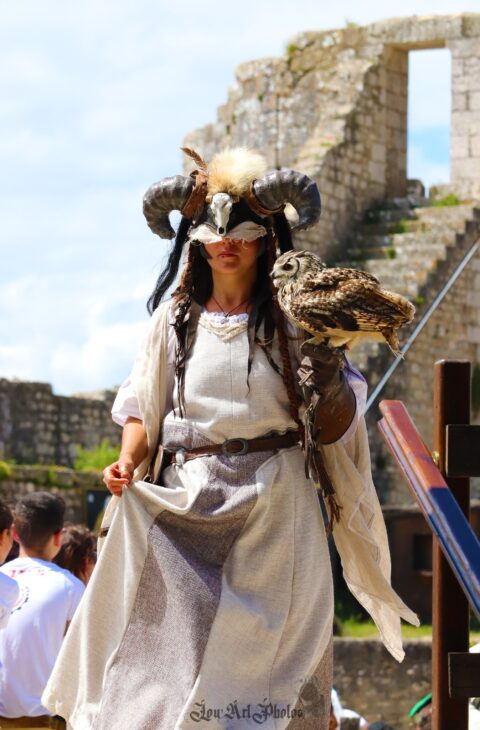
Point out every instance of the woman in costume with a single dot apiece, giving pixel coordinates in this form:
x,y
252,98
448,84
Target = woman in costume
x,y
216,559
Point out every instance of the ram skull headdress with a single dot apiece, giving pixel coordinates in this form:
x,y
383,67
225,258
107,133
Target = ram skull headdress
x,y
236,179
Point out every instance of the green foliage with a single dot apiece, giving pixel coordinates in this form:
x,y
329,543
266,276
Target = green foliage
x,y
97,458
368,630
51,478
260,96
347,607
391,253
401,226
5,470
476,388
447,201
418,300
474,625
350,23
291,49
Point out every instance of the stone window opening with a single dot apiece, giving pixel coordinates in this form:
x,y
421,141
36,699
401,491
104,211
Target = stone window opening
x,y
429,118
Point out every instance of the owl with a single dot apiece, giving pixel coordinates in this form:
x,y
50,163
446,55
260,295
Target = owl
x,y
343,306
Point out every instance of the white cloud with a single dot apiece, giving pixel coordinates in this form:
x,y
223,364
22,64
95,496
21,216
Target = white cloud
x,y
77,332
104,357
429,98
424,169
96,98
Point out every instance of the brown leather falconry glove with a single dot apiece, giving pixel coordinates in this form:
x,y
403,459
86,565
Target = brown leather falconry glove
x,y
330,408
326,389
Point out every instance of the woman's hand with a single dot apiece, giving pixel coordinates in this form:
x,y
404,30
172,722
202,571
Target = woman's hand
x,y
118,475
134,449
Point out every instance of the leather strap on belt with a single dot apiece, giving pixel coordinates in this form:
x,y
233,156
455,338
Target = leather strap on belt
x,y
32,722
237,447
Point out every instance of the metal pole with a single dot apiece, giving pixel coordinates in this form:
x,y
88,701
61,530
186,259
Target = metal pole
x,y
421,324
450,610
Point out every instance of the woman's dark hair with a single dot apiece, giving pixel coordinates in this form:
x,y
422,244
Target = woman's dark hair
x,y
78,545
6,517
195,286
168,275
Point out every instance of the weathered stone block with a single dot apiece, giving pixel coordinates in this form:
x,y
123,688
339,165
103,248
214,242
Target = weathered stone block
x,y
474,101
459,101
474,148
473,334
464,122
460,147
468,169
379,153
377,171
466,47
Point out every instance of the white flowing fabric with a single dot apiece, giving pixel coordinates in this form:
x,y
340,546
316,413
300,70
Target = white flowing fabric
x,y
99,626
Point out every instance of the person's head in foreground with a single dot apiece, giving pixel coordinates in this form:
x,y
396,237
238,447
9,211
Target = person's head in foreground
x,y
38,524
6,530
78,553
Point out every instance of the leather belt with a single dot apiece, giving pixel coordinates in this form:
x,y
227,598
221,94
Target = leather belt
x,y
236,447
32,722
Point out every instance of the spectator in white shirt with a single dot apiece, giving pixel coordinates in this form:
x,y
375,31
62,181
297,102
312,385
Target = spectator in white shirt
x,y
8,587
49,596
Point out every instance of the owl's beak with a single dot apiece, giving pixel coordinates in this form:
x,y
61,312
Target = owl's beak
x,y
274,275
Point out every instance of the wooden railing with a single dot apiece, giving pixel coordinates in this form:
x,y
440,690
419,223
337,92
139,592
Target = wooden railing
x,y
445,502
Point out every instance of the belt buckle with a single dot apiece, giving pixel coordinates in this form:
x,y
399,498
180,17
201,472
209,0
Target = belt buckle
x,y
243,450
180,456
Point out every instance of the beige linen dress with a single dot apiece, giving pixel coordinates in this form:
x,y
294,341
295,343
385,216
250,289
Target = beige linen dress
x,y
222,604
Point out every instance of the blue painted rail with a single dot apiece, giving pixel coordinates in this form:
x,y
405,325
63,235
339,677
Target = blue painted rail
x,y
440,508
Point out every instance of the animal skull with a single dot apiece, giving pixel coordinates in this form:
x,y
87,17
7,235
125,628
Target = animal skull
x,y
220,208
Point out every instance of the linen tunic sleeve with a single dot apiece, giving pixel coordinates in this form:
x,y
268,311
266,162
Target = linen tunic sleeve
x,y
359,386
126,402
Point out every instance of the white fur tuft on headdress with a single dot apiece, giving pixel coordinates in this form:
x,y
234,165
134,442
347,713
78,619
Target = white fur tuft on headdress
x,y
232,170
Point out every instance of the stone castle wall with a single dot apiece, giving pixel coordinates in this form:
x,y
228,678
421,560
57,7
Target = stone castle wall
x,y
38,427
452,333
372,683
18,481
335,107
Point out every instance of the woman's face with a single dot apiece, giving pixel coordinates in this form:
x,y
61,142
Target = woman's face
x,y
231,256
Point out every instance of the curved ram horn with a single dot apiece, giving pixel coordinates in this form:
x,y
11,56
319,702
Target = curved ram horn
x,y
161,198
279,187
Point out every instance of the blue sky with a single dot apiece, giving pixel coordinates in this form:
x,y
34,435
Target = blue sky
x,y
96,98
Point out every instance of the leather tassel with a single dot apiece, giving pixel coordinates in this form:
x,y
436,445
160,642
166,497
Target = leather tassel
x,y
315,467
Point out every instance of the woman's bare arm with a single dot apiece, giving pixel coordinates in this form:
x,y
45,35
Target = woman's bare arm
x,y
134,450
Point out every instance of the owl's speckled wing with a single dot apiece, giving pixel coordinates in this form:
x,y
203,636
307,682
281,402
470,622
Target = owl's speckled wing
x,y
346,300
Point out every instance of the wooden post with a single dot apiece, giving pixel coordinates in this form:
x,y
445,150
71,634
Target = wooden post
x,y
450,610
